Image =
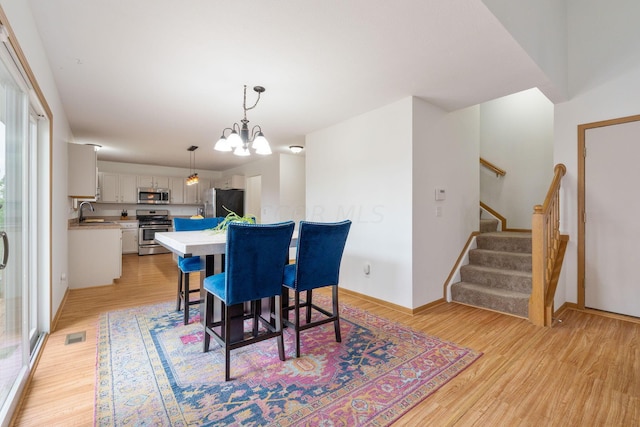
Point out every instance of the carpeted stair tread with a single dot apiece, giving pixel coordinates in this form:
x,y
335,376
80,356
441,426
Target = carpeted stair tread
x,y
509,241
488,225
500,259
503,300
519,281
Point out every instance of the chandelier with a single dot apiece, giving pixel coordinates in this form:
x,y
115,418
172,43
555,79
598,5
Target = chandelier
x,y
239,140
193,176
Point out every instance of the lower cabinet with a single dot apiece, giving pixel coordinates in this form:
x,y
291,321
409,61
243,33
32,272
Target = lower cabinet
x,y
130,240
95,256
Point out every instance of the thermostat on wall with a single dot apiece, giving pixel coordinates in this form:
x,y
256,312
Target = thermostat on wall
x,y
440,195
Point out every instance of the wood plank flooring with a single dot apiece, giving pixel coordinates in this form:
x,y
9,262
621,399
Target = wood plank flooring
x,y
583,371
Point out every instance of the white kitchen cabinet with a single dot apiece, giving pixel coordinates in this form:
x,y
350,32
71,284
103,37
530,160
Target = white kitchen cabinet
x,y
109,187
129,237
236,182
118,188
153,181
128,189
95,256
193,193
177,185
83,165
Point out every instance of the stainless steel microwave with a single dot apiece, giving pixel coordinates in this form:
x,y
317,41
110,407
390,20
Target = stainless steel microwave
x,y
153,196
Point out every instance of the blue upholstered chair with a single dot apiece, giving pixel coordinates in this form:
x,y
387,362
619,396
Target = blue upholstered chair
x,y
320,248
191,264
254,269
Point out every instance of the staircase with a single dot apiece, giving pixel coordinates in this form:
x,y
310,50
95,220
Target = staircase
x,y
498,276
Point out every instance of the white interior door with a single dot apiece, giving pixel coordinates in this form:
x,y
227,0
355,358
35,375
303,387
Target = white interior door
x,y
612,228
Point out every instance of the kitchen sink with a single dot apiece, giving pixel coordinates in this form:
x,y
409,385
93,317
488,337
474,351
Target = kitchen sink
x,y
95,221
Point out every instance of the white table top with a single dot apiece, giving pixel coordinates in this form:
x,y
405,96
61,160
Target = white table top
x,y
204,242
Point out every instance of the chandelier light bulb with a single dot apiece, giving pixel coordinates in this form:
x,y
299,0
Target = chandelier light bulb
x,y
242,151
261,145
222,145
234,140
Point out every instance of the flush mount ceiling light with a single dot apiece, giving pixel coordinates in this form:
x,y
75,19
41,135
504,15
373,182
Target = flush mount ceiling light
x,y
295,149
193,176
239,139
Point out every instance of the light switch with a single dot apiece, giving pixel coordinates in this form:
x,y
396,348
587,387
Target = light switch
x,y
440,194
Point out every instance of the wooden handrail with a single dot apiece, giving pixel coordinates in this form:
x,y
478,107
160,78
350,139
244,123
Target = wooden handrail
x,y
547,246
503,220
489,165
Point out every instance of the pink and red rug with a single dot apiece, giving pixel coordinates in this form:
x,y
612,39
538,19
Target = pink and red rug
x,y
151,371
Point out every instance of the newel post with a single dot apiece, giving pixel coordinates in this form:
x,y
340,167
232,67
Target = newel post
x,y
538,256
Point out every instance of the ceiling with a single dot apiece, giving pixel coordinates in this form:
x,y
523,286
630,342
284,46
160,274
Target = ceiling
x,y
146,79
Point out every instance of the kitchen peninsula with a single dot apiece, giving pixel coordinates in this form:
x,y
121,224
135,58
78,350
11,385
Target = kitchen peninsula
x,y
95,253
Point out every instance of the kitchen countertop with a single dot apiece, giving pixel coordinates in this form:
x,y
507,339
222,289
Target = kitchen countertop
x,y
109,222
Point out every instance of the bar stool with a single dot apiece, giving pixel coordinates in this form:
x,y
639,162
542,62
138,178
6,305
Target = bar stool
x,y
192,264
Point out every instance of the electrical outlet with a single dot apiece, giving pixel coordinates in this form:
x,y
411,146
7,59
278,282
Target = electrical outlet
x,y
438,210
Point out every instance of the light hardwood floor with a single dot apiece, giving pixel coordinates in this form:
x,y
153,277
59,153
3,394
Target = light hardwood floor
x,y
582,372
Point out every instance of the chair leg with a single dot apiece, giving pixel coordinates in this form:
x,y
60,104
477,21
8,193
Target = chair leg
x,y
186,298
336,312
309,296
227,342
179,289
278,301
208,319
296,320
255,313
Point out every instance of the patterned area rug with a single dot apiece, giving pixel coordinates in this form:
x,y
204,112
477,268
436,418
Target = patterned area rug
x,y
151,371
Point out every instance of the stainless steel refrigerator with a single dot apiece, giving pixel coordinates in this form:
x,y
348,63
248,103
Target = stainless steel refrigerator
x,y
216,200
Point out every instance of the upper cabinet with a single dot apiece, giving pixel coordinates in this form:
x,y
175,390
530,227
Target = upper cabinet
x,y
118,188
193,193
235,182
82,179
176,185
123,188
153,181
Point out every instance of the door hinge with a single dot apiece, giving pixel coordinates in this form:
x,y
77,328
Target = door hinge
x,y
584,152
584,217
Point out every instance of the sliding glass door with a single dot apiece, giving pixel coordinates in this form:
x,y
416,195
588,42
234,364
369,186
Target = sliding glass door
x,y
15,281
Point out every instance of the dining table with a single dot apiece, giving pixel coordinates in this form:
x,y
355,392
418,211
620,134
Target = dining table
x,y
212,246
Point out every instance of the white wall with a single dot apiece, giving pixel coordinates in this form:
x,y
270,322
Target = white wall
x,y
602,42
54,221
380,170
153,170
445,156
540,27
620,97
604,64
269,169
292,188
361,169
516,134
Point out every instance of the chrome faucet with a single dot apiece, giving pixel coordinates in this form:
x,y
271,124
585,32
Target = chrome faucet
x,y
80,215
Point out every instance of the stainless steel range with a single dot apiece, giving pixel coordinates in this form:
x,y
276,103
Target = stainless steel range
x,y
150,222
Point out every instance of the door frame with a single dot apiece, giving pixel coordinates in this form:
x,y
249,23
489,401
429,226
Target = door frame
x,y
41,218
582,130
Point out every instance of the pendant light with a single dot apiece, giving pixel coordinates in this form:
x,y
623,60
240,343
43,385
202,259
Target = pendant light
x,y
193,176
